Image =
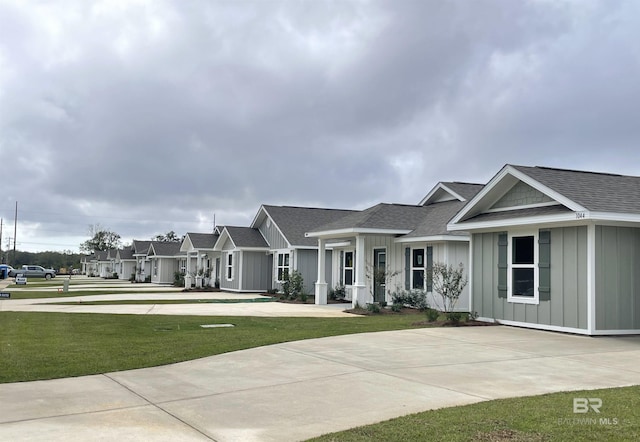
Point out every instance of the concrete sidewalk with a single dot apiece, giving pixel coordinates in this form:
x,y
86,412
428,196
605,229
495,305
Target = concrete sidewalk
x,y
301,389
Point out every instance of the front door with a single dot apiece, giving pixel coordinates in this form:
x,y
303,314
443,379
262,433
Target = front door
x,y
379,274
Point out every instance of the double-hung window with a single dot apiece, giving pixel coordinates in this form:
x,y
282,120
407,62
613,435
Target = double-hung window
x,y
417,269
229,266
348,268
522,276
283,266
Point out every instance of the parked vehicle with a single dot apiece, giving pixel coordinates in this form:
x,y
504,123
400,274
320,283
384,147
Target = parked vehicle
x,y
33,272
5,270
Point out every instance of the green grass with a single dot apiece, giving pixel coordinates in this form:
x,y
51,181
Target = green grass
x,y
56,345
38,294
165,301
530,419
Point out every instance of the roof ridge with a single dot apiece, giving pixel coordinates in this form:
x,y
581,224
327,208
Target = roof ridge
x,y
591,172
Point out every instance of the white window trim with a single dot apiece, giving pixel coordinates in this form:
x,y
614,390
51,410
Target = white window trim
x,y
278,266
352,268
536,283
423,268
228,266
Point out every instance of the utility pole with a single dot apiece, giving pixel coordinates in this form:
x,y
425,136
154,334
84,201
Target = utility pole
x,y
15,232
1,256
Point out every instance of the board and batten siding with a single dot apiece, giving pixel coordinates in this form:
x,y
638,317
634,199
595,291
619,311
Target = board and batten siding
x,y
225,284
307,265
256,270
568,304
395,263
617,278
271,234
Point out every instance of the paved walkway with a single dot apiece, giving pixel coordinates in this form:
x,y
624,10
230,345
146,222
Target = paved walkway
x,y
301,389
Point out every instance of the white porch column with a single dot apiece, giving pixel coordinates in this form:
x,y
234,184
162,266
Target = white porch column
x,y
321,284
187,276
198,267
360,295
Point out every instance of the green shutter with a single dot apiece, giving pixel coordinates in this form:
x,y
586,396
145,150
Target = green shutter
x,y
544,265
429,274
503,264
407,268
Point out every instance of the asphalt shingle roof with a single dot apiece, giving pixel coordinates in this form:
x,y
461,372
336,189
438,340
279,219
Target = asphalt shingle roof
x,y
381,216
519,213
436,218
465,190
294,222
600,192
166,248
126,253
246,237
203,240
141,247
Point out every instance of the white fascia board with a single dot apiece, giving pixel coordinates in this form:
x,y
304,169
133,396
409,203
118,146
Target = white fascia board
x,y
438,187
257,216
187,245
510,170
253,249
255,223
511,222
354,231
610,216
334,245
434,238
217,247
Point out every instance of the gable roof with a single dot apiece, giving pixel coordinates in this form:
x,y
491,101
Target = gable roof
x,y
125,253
140,247
242,237
450,191
434,223
593,195
294,222
164,248
200,241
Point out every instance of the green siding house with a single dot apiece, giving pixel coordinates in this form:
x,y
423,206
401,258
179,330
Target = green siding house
x,y
555,249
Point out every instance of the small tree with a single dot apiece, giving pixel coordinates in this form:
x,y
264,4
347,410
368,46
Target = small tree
x,y
293,285
378,276
449,282
101,240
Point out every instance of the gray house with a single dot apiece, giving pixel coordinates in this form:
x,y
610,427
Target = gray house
x,y
399,241
199,247
556,249
165,259
245,261
283,228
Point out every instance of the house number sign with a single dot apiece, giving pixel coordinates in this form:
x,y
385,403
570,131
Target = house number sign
x,y
581,215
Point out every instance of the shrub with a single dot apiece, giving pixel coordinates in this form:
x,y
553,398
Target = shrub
x,y
410,298
272,291
454,317
432,315
132,278
449,282
216,284
115,275
338,293
178,279
396,308
373,308
147,278
303,297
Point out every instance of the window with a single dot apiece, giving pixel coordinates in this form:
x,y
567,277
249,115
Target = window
x,y
230,266
522,275
348,268
183,265
417,269
283,266
155,267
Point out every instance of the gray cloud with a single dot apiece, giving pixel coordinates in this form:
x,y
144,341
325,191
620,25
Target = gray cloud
x,y
152,116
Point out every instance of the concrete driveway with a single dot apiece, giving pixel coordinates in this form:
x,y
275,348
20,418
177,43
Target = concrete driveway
x,y
298,390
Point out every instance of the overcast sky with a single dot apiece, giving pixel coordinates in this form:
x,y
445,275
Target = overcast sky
x,y
150,116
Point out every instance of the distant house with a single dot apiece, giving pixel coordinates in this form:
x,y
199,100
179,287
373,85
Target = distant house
x,y
165,260
398,243
140,250
89,265
258,258
125,262
556,249
199,247
245,261
104,264
283,228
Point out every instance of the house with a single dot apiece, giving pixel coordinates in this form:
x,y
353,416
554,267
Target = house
x,y
103,264
88,265
140,251
257,258
165,260
556,249
125,263
199,247
284,228
245,259
391,247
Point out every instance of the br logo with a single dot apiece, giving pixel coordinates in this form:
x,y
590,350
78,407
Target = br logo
x,y
583,404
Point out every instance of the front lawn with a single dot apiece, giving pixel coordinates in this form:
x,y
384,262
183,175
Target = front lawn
x,y
56,345
548,417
